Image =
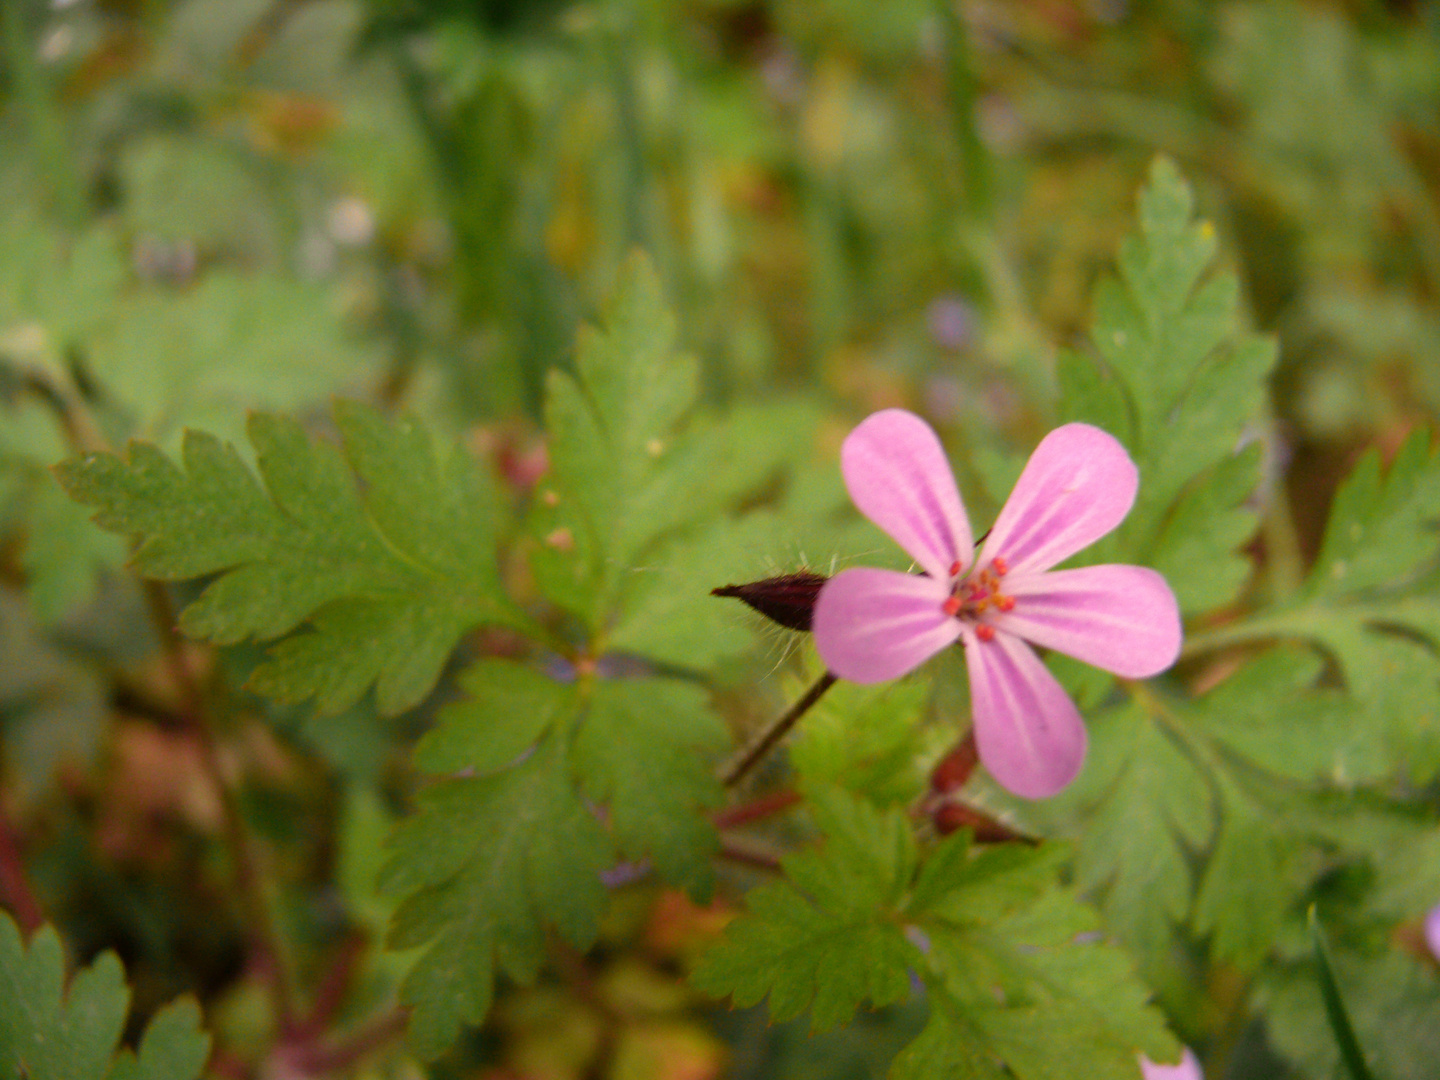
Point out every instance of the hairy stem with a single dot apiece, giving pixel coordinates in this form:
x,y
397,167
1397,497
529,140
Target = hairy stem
x,y
739,766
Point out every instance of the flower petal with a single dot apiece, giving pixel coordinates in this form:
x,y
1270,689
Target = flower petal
x,y
1432,931
1077,486
898,476
872,625
1027,730
1188,1068
1120,618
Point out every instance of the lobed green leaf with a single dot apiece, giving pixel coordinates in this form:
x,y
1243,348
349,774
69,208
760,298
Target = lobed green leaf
x,y
1011,965
483,865
382,546
51,1031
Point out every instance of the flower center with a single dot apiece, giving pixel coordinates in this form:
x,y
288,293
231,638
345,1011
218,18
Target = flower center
x,y
976,593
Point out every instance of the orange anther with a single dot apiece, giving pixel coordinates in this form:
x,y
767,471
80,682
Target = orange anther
x,y
1000,566
985,633
955,568
951,605
1005,603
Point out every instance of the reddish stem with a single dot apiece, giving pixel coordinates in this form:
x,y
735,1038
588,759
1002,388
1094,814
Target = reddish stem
x,y
15,888
748,856
755,810
321,1061
951,816
266,953
330,994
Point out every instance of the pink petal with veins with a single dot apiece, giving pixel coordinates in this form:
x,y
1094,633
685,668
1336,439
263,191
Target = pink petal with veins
x,y
1027,730
1077,486
872,625
1123,619
1187,1069
898,476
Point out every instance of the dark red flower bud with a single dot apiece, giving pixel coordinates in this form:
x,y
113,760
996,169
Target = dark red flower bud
x,y
954,768
788,599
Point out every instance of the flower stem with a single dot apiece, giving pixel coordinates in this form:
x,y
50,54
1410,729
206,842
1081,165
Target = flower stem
x,y
739,766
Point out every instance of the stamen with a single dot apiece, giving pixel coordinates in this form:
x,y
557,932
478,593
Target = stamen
x,y
1005,603
1000,566
951,605
985,632
955,568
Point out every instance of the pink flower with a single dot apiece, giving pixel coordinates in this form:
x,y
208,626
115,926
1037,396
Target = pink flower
x,y
1188,1069
1432,931
872,625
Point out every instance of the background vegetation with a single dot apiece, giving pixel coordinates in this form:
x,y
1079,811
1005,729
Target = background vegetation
x,y
219,209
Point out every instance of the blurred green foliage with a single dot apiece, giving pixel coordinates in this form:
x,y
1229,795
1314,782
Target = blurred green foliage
x,y
219,209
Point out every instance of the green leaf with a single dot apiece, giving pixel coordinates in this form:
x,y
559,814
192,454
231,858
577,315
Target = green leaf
x,y
668,614
201,357
950,1046
1016,979
1017,976
1092,395
198,190
639,751
172,1048
866,739
1382,530
1245,892
1038,992
1198,547
1256,713
49,1031
641,747
825,939
62,553
1190,813
614,486
1393,1002
63,288
1370,601
1155,306
491,858
385,547
507,708
484,865
1180,385
1144,806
